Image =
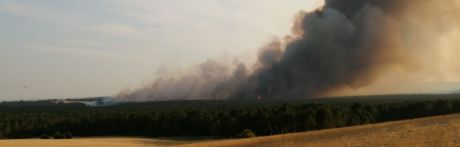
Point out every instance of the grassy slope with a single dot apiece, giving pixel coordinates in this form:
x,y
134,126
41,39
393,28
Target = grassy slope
x,y
432,131
93,142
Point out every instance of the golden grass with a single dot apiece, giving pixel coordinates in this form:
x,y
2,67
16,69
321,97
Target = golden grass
x,y
432,131
92,142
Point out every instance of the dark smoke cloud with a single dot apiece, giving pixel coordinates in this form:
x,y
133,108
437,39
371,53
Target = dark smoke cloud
x,y
339,45
343,44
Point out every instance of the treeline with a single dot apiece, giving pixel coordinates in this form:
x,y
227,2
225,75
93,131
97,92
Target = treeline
x,y
129,120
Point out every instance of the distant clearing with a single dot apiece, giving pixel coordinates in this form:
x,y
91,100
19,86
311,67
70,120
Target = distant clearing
x,y
431,131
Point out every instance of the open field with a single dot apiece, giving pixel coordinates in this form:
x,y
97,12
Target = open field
x,y
94,142
431,131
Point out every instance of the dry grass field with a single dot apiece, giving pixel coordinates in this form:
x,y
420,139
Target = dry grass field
x,y
432,131
93,142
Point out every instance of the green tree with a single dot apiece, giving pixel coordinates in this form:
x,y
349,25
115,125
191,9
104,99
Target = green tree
x,y
247,133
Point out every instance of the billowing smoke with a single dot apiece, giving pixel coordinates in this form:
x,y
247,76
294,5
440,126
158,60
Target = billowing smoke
x,y
209,80
340,45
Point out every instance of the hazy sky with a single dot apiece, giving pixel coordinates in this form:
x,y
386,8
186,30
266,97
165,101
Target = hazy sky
x,y
68,48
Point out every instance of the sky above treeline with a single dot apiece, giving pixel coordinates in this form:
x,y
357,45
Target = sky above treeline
x,y
84,48
70,49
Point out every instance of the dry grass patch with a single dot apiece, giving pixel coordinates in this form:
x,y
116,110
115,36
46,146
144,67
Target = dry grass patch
x,y
432,131
92,142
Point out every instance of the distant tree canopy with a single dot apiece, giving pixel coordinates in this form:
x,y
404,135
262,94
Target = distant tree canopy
x,y
147,120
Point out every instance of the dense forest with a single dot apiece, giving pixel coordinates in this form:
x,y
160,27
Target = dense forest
x,y
191,118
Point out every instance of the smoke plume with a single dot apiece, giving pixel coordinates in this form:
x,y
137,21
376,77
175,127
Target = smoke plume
x,y
344,44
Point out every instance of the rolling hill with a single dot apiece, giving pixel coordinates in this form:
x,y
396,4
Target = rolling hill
x,y
430,131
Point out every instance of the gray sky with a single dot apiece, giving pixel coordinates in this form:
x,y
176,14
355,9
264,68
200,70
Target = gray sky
x,y
68,48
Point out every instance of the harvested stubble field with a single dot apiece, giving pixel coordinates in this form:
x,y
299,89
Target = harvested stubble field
x,y
94,142
431,131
